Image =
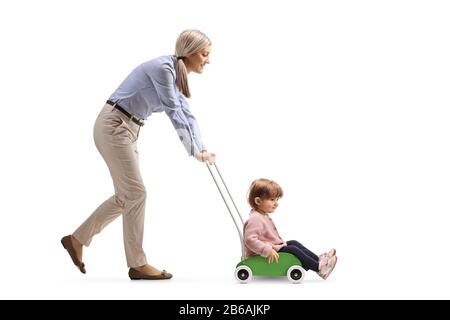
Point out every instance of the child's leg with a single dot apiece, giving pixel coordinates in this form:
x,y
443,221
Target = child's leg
x,y
308,261
302,248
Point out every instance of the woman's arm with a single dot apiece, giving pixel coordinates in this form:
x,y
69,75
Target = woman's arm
x,y
183,121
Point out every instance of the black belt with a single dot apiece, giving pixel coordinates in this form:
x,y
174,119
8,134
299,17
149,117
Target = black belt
x,y
125,112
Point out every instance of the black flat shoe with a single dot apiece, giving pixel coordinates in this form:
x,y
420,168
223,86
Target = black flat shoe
x,y
136,275
67,244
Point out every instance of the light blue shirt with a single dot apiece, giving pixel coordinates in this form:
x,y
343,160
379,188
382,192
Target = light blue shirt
x,y
151,87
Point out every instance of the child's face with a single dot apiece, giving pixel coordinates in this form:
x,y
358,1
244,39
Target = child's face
x,y
267,205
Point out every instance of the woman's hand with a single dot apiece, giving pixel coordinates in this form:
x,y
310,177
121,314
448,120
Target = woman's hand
x,y
273,256
205,156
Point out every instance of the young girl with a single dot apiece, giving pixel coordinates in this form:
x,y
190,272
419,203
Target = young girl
x,y
261,236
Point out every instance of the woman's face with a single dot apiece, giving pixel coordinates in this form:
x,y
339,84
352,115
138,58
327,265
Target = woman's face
x,y
197,61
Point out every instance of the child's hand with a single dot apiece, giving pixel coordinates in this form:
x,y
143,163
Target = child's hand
x,y
273,256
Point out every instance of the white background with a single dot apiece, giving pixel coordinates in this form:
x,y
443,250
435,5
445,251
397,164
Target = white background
x,y
344,103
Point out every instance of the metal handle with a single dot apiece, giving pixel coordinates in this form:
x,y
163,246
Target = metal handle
x,y
226,203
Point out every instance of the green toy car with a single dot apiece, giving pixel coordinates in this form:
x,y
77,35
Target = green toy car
x,y
288,265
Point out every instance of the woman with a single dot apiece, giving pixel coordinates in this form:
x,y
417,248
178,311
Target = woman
x,y
157,85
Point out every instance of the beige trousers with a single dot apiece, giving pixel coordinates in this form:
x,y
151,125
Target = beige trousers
x,y
116,139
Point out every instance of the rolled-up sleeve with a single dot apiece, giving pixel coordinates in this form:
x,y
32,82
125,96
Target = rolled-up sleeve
x,y
178,110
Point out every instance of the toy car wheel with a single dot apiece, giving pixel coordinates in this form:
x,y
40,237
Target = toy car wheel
x,y
243,274
296,274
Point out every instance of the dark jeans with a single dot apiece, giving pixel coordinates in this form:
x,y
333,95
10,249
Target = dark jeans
x,y
308,259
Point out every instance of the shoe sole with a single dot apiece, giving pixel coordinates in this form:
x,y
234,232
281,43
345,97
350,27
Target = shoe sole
x,y
156,278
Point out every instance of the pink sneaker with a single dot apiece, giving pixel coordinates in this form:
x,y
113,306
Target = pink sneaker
x,y
325,271
328,254
323,261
